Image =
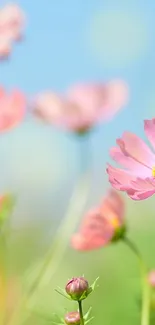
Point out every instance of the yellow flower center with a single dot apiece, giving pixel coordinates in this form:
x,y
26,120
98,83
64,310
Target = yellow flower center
x,y
115,222
153,172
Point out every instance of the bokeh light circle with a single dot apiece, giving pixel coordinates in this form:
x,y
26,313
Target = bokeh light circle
x,y
117,37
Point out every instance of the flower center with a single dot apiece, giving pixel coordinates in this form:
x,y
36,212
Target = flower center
x,y
115,222
153,172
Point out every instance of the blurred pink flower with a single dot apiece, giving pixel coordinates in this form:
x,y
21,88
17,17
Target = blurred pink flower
x,y
83,106
12,23
12,109
151,278
138,177
101,224
5,47
10,295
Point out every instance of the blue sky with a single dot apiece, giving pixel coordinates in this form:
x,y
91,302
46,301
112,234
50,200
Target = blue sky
x,y
65,42
59,47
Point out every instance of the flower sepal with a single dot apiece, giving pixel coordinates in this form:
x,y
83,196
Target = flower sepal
x,y
63,293
90,289
73,318
86,316
119,234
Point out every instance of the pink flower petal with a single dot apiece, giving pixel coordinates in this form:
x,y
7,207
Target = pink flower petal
x,y
89,242
128,162
99,225
12,109
149,128
5,46
83,106
141,184
12,22
119,178
133,147
55,109
136,188
135,155
139,195
11,16
49,107
101,101
115,204
117,96
88,97
94,233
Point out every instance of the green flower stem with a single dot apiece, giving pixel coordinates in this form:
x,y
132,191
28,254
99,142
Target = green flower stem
x,y
81,313
145,314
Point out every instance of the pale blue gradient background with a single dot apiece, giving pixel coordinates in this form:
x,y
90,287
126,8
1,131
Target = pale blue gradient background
x,y
66,42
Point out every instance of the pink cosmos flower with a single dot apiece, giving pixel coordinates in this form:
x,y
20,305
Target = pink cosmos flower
x,y
12,109
12,23
151,278
100,226
137,178
83,106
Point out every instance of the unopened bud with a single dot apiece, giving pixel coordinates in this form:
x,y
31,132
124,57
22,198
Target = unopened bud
x,y
72,318
77,287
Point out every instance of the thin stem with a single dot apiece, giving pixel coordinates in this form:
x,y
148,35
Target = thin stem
x,y
81,313
85,152
135,250
145,314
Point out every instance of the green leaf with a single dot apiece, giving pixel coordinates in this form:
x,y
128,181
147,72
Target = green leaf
x,y
60,319
63,293
93,286
88,313
89,291
89,320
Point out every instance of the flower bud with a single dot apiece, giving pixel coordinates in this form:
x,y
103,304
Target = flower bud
x,y
72,318
77,287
